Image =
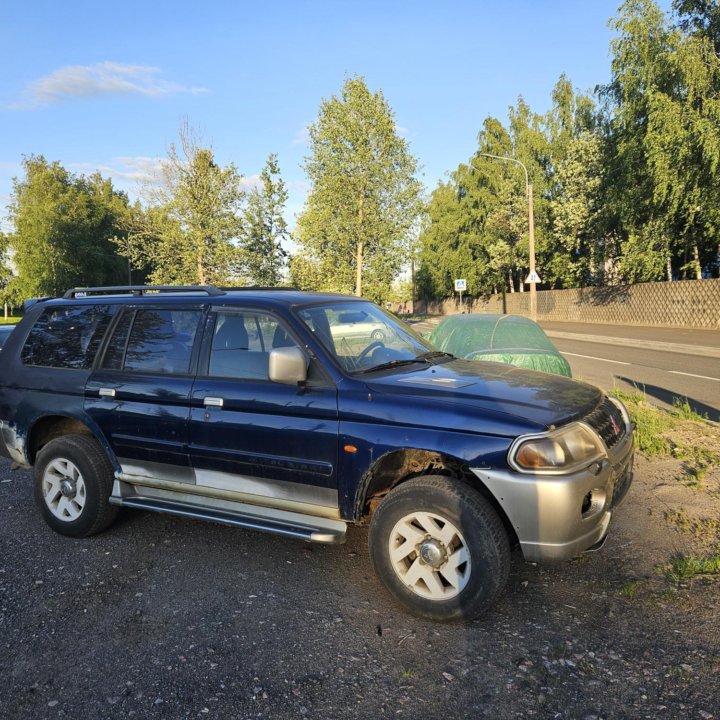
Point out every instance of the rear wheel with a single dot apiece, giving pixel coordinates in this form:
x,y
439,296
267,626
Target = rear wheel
x,y
440,548
73,482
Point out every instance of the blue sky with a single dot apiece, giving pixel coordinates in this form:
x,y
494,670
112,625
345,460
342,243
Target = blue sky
x,y
106,85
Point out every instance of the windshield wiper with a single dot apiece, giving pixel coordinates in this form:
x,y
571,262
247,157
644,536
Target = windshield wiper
x,y
392,364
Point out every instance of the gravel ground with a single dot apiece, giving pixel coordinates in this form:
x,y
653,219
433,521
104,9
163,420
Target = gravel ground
x,y
164,617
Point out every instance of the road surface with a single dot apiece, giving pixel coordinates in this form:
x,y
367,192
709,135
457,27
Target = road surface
x,y
635,360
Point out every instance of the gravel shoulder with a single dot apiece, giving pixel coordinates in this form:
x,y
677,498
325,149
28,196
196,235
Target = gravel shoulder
x,y
163,617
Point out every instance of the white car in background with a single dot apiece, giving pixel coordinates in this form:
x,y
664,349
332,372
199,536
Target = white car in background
x,y
358,324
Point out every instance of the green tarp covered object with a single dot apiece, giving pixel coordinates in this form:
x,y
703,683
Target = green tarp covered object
x,y
509,339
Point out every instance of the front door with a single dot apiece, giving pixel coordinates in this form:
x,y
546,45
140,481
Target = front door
x,y
268,443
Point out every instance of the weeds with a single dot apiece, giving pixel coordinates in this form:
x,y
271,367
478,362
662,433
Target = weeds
x,y
706,529
682,409
631,589
686,567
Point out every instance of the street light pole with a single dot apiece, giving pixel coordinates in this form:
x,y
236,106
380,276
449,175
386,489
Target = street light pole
x,y
531,229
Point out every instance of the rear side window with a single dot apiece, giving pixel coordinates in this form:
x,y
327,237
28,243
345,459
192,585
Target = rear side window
x,y
153,340
66,337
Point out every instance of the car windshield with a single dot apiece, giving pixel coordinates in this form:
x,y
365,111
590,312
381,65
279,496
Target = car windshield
x,y
363,337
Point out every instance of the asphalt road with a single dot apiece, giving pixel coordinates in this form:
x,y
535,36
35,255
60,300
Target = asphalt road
x,y
163,617
663,376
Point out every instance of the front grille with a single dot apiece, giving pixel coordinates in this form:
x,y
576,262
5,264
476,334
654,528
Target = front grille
x,y
607,420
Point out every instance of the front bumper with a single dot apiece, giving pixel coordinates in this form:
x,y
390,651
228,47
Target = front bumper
x,y
546,512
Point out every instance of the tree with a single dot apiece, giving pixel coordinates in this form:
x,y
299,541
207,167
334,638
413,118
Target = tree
x,y
188,233
6,275
578,255
62,225
264,228
365,199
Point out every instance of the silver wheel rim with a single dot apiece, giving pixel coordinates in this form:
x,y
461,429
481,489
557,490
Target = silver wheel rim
x,y
430,556
64,490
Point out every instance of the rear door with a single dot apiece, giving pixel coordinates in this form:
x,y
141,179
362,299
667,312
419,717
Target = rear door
x,y
273,444
139,395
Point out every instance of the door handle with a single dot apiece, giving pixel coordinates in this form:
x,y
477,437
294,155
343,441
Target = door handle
x,y
213,402
106,392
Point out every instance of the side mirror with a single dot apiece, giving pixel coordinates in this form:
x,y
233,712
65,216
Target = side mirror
x,y
287,365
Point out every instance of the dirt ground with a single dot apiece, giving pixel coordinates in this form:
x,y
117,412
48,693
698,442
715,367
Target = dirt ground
x,y
163,617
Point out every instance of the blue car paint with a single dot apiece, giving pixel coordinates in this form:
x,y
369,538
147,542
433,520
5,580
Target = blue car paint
x,y
462,410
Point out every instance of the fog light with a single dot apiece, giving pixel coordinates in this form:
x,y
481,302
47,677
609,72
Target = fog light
x,y
593,503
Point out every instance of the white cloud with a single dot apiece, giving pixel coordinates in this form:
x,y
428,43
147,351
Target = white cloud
x,y
250,182
105,78
135,175
402,131
302,136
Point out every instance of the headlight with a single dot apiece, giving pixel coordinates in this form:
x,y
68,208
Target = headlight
x,y
559,451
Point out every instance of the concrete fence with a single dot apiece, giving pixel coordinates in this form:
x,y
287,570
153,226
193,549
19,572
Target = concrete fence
x,y
686,303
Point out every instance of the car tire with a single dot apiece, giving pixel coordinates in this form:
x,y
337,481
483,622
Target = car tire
x,y
73,482
440,548
377,335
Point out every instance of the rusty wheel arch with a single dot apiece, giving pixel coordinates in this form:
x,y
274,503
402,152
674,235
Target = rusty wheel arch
x,y
50,427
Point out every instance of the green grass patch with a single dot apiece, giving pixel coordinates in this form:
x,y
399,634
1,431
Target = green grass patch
x,y
11,320
682,409
686,567
651,424
631,589
681,433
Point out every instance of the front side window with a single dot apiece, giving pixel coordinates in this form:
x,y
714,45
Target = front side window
x,y
242,342
67,337
153,340
363,337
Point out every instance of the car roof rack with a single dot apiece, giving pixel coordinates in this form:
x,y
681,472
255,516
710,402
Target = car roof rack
x,y
279,288
140,290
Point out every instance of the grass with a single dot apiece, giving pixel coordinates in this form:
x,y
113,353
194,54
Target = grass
x,y
631,589
687,567
680,432
651,424
10,320
705,529
682,409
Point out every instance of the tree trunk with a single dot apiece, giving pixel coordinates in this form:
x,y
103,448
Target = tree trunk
x,y
358,268
696,260
360,248
200,269
511,284
668,268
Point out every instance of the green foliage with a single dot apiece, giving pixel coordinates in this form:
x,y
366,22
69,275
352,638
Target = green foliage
x,y
651,424
264,228
686,567
188,233
628,194
62,225
357,225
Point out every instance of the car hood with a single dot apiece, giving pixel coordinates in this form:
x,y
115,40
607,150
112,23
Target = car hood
x,y
533,398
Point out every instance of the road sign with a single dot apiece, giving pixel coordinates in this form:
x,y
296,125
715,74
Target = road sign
x,y
532,277
460,285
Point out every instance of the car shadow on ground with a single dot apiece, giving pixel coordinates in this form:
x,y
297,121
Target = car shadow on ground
x,y
667,396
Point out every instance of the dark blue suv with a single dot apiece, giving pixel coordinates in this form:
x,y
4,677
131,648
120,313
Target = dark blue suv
x,y
299,413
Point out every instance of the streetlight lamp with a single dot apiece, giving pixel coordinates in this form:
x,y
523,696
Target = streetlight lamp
x,y
533,276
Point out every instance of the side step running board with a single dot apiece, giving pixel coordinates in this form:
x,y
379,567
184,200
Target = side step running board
x,y
303,530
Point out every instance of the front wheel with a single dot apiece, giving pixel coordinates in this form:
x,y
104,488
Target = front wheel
x,y
73,482
440,548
